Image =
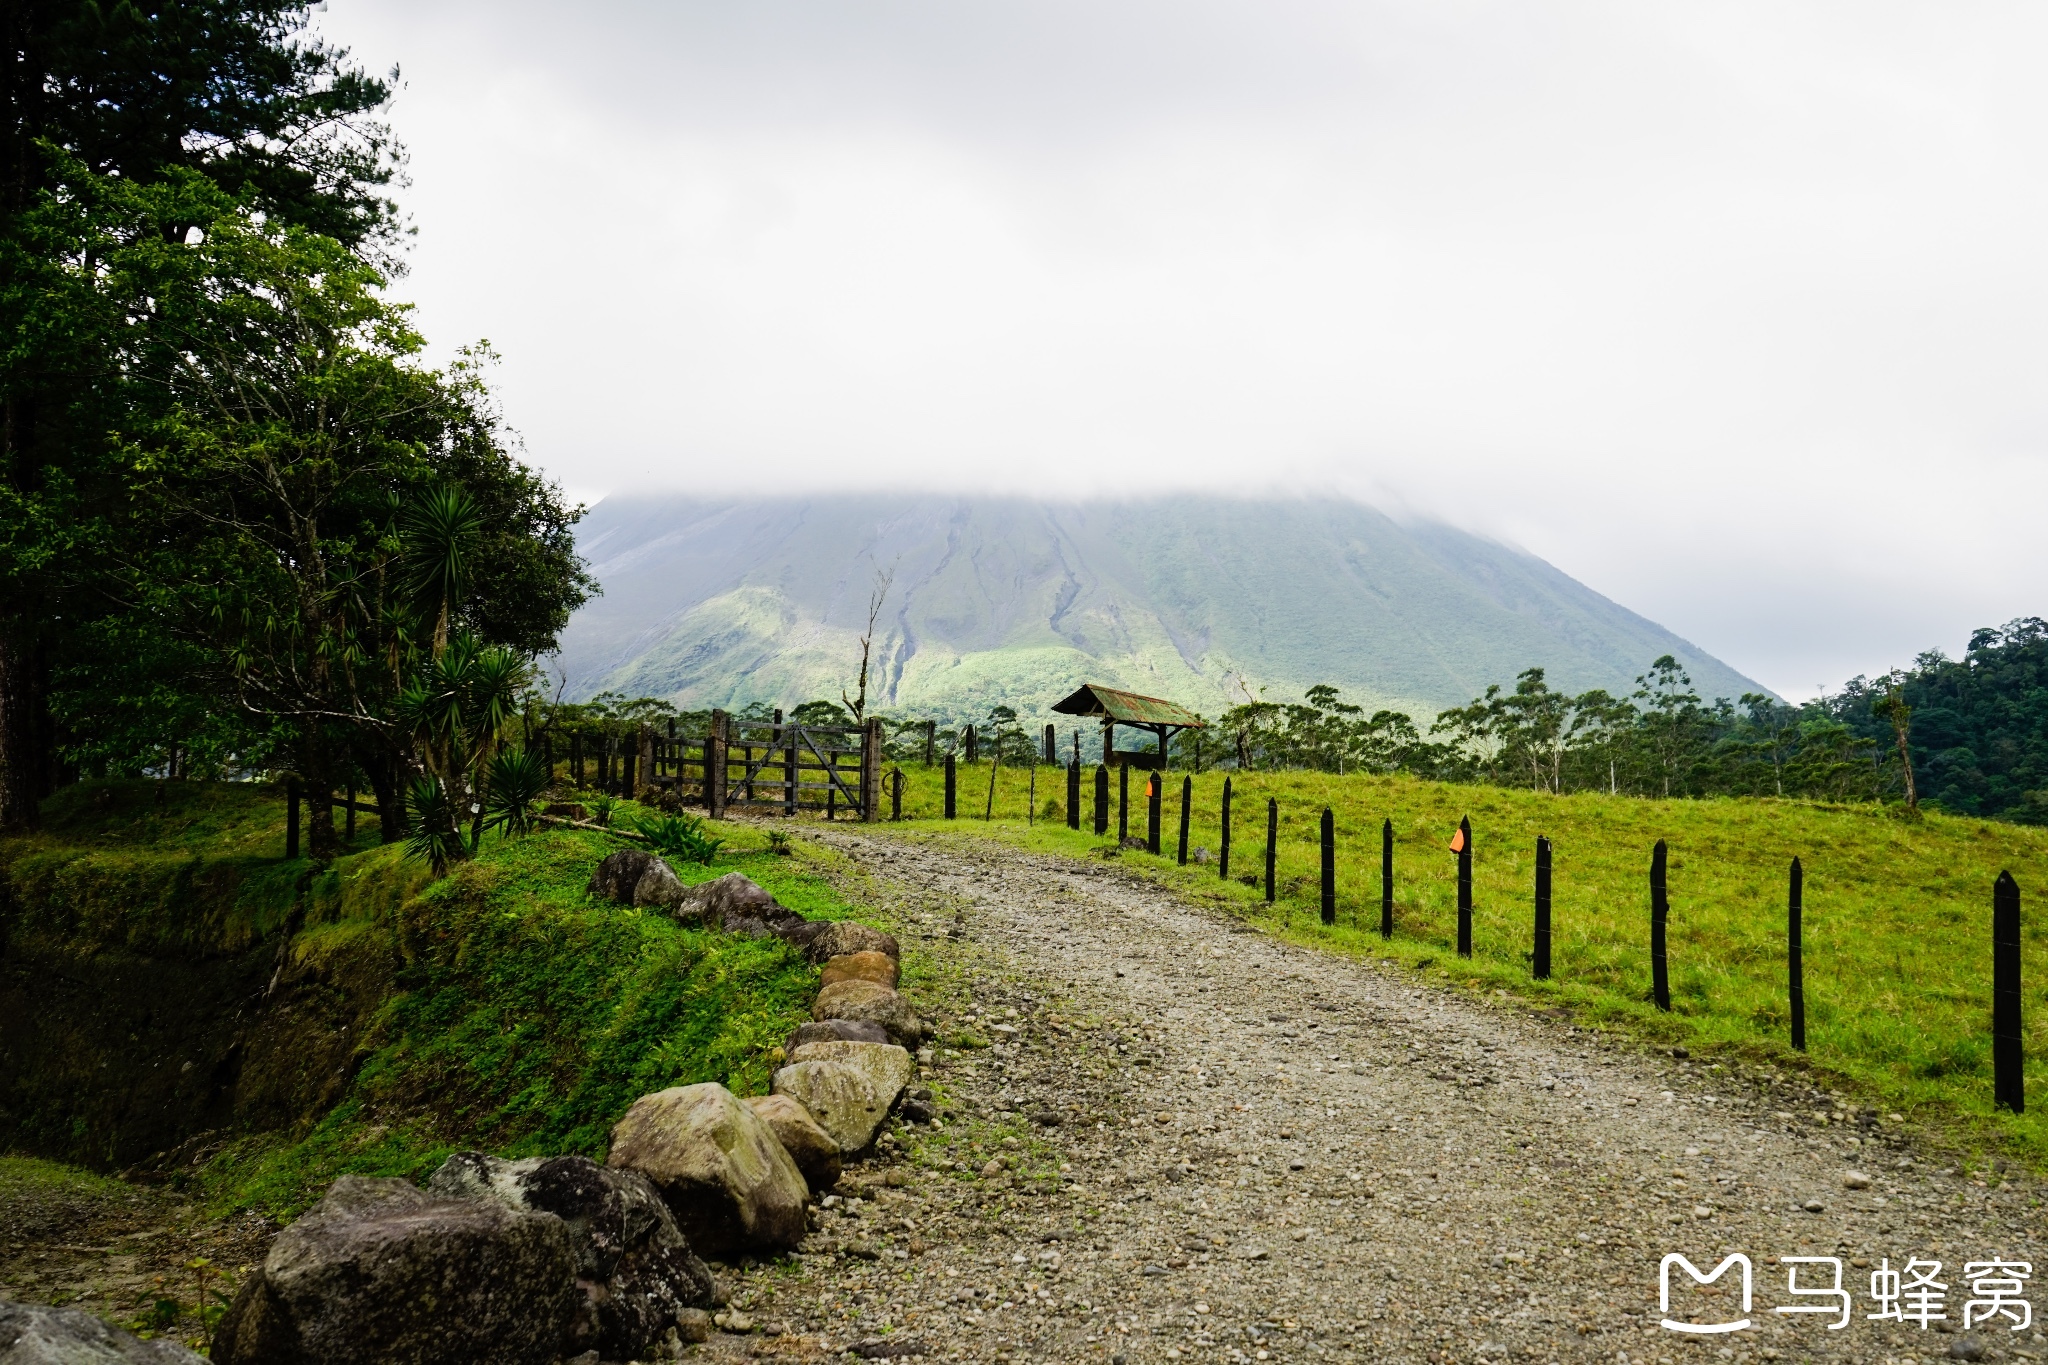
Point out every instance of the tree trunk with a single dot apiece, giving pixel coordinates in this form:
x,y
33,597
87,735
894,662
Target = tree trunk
x,y
23,764
385,780
316,774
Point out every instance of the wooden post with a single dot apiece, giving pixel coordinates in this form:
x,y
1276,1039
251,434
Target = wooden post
x,y
951,786
348,816
1051,745
576,757
2007,1057
1074,793
1101,800
931,741
547,754
871,771
714,764
1660,909
1541,967
1465,886
647,772
973,749
1387,879
1153,786
896,794
1077,746
291,817
1329,866
1187,800
629,777
1795,954
1123,802
1223,851
784,735
1272,842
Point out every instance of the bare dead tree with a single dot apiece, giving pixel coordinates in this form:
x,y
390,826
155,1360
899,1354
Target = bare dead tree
x,y
858,703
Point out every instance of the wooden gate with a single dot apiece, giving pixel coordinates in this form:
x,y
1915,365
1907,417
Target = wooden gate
x,y
773,765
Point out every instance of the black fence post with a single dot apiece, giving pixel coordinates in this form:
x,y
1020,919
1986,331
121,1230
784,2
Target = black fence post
x,y
1123,802
1272,842
1101,800
1154,788
1387,878
790,791
1465,886
973,750
1074,794
1187,800
1051,744
2006,1055
1795,954
1541,965
952,786
1223,854
291,817
1660,909
931,741
1329,867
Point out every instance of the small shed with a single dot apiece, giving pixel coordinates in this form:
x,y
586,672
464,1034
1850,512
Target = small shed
x,y
1136,712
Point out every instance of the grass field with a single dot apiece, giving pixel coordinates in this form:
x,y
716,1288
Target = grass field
x,y
1897,913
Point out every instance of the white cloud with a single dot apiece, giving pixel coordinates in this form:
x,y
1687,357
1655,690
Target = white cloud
x,y
1735,311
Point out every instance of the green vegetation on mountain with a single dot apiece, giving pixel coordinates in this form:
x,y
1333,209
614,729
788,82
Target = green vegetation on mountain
x,y
178,998
1897,912
1208,601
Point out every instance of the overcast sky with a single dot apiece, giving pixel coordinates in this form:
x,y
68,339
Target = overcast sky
x,y
1738,312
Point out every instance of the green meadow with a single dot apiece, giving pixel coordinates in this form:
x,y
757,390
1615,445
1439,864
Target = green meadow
x,y
1897,912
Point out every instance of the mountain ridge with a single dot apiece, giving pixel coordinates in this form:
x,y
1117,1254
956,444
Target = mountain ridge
x,y
1204,600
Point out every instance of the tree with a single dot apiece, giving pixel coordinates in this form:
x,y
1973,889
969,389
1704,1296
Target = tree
x,y
858,703
1891,707
311,509
138,91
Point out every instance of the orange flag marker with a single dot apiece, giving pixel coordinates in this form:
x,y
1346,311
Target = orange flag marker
x,y
1458,842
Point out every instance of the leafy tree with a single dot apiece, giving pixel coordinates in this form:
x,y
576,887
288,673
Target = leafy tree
x,y
235,93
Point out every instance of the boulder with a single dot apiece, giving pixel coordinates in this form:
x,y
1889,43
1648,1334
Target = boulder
x,y
633,876
733,901
634,1268
834,1031
866,1001
813,1149
382,1273
799,933
848,1088
34,1334
719,1166
841,938
879,968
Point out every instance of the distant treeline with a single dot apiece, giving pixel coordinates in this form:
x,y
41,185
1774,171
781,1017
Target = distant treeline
x,y
1976,729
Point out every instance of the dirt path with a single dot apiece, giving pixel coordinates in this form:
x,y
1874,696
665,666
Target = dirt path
x,y
1229,1148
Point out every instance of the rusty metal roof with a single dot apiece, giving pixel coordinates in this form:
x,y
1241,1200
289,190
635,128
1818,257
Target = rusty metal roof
x,y
1128,708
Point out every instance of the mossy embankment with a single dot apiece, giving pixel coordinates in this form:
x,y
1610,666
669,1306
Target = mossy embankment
x,y
180,1000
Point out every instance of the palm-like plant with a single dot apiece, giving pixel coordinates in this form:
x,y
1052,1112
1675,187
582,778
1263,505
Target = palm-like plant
x,y
439,532
458,707
433,836
516,780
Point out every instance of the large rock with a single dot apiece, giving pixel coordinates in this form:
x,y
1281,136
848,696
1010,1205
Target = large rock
x,y
834,1031
842,938
35,1334
879,968
864,1000
382,1273
634,1268
725,1176
736,904
633,876
849,1088
814,1150
799,933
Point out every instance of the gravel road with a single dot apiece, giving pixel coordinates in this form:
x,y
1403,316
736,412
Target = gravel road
x,y
1189,1141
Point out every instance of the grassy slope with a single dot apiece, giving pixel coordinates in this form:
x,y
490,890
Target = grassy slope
x,y
1897,914
526,1017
